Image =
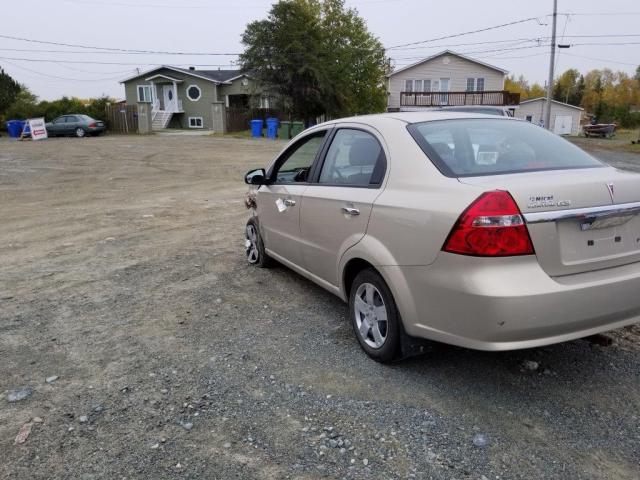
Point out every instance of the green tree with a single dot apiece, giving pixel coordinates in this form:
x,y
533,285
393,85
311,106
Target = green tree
x,y
24,106
519,85
537,91
319,57
569,87
9,90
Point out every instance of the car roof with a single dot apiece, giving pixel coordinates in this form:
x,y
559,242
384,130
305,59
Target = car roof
x,y
413,117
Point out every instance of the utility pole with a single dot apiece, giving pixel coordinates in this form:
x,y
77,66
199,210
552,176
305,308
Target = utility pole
x,y
547,119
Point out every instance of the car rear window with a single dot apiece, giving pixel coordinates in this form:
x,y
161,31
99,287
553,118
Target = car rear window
x,y
479,146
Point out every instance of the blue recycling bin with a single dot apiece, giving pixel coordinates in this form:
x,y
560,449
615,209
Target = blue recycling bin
x,y
256,128
272,128
14,127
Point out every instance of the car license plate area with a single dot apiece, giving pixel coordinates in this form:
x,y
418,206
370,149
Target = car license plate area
x,y
595,223
605,239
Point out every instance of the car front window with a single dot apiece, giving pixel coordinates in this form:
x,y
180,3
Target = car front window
x,y
471,147
299,160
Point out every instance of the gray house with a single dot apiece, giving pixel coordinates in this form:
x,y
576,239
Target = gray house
x,y
448,79
195,99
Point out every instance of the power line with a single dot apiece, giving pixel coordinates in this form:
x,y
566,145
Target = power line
x,y
480,51
610,43
74,45
99,52
600,59
502,25
55,77
88,62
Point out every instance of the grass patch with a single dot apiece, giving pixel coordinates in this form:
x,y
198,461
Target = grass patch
x,y
621,142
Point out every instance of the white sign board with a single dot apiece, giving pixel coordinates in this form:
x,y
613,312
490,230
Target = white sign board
x,y
38,129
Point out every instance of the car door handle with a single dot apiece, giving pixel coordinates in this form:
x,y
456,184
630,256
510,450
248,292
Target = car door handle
x,y
351,211
289,202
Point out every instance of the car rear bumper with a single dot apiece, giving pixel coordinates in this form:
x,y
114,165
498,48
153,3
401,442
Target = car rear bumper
x,y
511,303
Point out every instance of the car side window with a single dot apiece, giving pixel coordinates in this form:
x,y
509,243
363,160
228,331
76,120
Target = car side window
x,y
299,160
72,119
59,120
355,157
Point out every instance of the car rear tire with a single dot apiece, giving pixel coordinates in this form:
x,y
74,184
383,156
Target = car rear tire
x,y
254,246
80,132
374,316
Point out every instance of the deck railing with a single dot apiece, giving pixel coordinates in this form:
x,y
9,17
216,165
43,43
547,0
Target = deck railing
x,y
437,99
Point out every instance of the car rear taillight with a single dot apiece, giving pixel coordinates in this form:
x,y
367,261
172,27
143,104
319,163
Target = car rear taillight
x,y
491,226
92,125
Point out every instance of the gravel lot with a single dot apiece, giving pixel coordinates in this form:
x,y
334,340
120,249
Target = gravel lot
x,y
122,274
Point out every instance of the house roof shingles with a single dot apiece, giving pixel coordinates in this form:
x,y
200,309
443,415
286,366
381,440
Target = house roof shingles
x,y
219,76
216,75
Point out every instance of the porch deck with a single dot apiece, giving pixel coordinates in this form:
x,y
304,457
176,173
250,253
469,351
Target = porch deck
x,y
450,99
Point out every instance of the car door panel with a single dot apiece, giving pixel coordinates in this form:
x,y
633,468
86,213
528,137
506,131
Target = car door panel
x,y
57,126
279,207
329,228
279,201
337,205
71,124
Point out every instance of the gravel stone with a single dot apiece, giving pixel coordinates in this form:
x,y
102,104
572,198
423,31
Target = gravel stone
x,y
480,440
18,395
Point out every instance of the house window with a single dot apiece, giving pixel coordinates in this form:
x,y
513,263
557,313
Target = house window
x,y
265,102
529,118
194,93
471,84
195,122
417,86
475,84
408,85
144,93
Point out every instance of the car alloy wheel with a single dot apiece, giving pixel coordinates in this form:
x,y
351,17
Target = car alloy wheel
x,y
254,247
374,316
370,315
80,132
251,244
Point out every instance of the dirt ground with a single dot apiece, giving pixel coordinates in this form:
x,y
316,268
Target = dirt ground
x,y
122,274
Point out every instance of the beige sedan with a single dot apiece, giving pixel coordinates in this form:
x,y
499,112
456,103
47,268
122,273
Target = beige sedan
x,y
484,232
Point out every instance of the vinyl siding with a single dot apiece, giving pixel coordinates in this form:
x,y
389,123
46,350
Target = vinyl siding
x,y
457,70
200,108
536,110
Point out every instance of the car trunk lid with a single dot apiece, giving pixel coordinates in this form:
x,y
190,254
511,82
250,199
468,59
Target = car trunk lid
x,y
579,220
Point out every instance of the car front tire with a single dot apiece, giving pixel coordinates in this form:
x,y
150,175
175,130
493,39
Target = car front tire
x,y
254,246
374,316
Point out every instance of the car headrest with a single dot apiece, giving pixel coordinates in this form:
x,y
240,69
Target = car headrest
x,y
364,151
443,150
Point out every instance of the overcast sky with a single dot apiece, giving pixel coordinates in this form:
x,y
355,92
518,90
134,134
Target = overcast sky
x,y
216,26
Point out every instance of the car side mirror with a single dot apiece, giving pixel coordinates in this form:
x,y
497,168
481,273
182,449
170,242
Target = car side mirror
x,y
256,177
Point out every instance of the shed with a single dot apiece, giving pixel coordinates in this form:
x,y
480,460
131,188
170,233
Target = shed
x,y
565,118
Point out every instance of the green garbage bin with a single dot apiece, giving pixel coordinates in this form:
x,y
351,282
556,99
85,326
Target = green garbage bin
x,y
296,128
284,131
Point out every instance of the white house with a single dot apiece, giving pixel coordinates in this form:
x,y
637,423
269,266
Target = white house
x,y
459,80
565,118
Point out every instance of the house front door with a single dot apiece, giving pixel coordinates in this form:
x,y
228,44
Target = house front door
x,y
444,87
168,97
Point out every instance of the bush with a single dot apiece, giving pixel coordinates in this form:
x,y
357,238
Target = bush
x,y
27,106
